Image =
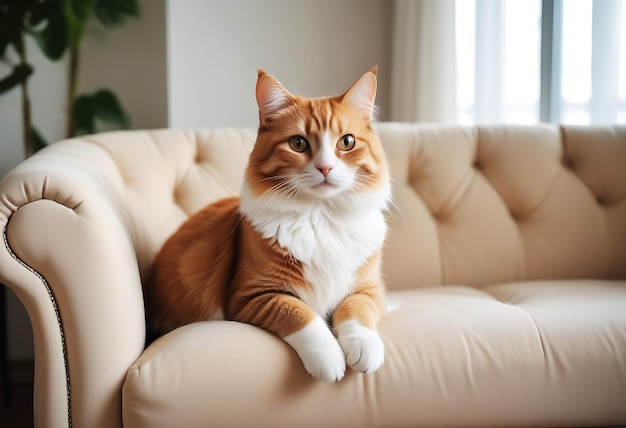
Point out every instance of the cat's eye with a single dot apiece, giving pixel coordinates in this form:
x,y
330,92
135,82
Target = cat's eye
x,y
346,143
298,144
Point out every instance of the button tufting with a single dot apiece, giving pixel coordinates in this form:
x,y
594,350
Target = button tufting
x,y
516,216
437,216
567,163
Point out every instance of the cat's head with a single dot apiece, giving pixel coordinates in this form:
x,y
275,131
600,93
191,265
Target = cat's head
x,y
317,149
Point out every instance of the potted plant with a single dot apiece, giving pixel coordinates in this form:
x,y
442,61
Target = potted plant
x,y
58,26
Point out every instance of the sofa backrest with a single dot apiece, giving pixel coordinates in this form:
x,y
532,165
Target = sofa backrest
x,y
474,205
492,204
167,175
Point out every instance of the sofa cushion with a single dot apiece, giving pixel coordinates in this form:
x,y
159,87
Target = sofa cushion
x,y
525,353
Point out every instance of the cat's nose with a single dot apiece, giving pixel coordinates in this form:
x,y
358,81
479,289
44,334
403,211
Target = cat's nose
x,y
324,170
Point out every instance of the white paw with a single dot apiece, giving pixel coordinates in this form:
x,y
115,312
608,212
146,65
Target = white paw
x,y
319,351
364,350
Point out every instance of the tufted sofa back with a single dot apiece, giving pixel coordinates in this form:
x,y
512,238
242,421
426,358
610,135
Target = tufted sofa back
x,y
492,204
164,176
474,205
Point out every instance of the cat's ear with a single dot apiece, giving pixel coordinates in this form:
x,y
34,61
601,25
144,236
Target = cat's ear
x,y
271,96
362,94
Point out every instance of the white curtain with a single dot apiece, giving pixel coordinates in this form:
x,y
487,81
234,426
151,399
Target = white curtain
x,y
480,61
423,61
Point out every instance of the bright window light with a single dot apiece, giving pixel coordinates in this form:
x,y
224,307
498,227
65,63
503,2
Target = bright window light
x,y
465,59
576,61
522,46
622,59
499,70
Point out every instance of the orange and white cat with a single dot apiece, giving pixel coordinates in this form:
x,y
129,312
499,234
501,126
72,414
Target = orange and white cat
x,y
299,252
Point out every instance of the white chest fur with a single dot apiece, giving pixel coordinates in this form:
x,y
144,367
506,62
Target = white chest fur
x,y
330,245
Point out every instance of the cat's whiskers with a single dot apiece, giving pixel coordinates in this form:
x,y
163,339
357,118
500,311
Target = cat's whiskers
x,y
360,186
288,188
393,204
365,176
276,177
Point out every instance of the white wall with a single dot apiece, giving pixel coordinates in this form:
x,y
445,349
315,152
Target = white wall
x,y
315,48
131,60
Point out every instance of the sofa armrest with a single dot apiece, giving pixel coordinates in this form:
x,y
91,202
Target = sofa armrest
x,y
68,255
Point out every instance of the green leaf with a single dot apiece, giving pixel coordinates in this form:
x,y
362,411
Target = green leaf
x,y
77,13
40,12
108,108
101,106
53,37
37,142
12,13
83,112
3,46
20,74
113,12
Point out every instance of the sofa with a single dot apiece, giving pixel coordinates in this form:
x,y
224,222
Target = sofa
x,y
505,265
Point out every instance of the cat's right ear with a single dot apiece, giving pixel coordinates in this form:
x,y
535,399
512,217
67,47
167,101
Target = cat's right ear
x,y
271,96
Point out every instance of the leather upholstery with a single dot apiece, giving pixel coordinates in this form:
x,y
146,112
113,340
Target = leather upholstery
x,y
505,264
505,203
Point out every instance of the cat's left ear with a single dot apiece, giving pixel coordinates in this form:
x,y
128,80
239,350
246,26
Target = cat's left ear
x,y
362,94
271,96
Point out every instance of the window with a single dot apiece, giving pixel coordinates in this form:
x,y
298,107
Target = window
x,y
525,61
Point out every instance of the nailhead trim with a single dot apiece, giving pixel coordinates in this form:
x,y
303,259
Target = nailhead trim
x,y
60,323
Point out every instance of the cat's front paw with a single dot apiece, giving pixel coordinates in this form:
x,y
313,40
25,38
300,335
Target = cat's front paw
x,y
319,351
364,350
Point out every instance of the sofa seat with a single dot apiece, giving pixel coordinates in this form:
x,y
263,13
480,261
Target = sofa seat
x,y
543,353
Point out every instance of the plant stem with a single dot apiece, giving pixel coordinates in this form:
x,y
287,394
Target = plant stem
x,y
26,111
71,90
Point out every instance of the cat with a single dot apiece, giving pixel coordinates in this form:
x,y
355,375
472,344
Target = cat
x,y
298,253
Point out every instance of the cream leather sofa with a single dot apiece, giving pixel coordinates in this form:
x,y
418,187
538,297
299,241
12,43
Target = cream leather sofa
x,y
505,264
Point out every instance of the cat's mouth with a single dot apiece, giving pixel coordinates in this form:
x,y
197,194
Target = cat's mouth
x,y
326,189
325,183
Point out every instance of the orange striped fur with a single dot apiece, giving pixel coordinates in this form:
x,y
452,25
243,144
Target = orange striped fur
x,y
303,241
